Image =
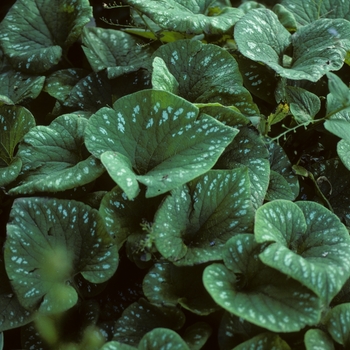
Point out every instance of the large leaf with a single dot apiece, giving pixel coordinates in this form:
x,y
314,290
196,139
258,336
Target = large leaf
x,y
166,284
308,11
49,241
316,51
249,149
245,287
141,317
338,324
116,51
191,228
310,244
12,313
53,157
20,88
188,16
156,138
206,73
35,33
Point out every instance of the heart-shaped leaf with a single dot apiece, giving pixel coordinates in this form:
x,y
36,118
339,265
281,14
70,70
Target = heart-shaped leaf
x,y
245,288
192,227
316,339
188,17
206,73
338,322
15,122
49,241
34,33
156,138
316,51
53,157
311,244
116,51
160,338
166,284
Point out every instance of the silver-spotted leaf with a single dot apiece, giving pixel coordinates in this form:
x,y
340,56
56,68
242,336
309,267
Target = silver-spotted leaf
x,y
192,227
48,242
162,79
162,338
197,335
206,73
166,284
338,324
246,287
160,137
53,157
188,16
142,317
316,339
264,341
343,150
310,244
114,50
35,33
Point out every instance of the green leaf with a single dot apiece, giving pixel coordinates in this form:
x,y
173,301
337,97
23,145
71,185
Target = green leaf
x,y
249,149
162,79
315,339
311,244
10,173
338,324
343,149
160,136
65,236
35,33
166,284
12,313
308,11
20,88
280,164
15,122
192,228
116,345
162,338
60,83
114,50
244,287
187,17
53,157
264,341
262,38
196,335
141,317
206,73
286,17
1,341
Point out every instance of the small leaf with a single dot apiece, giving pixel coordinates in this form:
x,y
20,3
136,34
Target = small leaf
x,y
311,244
264,341
162,338
338,322
41,31
278,188
15,122
196,335
166,284
162,79
141,317
343,149
315,339
114,50
64,236
161,135
53,158
10,173
245,288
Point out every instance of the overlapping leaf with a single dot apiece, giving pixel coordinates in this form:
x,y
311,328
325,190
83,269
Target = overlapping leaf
x,y
316,50
53,157
245,287
188,17
156,138
310,244
116,51
317,339
48,242
338,322
264,341
206,73
35,33
192,226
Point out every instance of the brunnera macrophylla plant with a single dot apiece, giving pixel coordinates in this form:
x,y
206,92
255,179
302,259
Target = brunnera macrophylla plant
x,y
180,181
